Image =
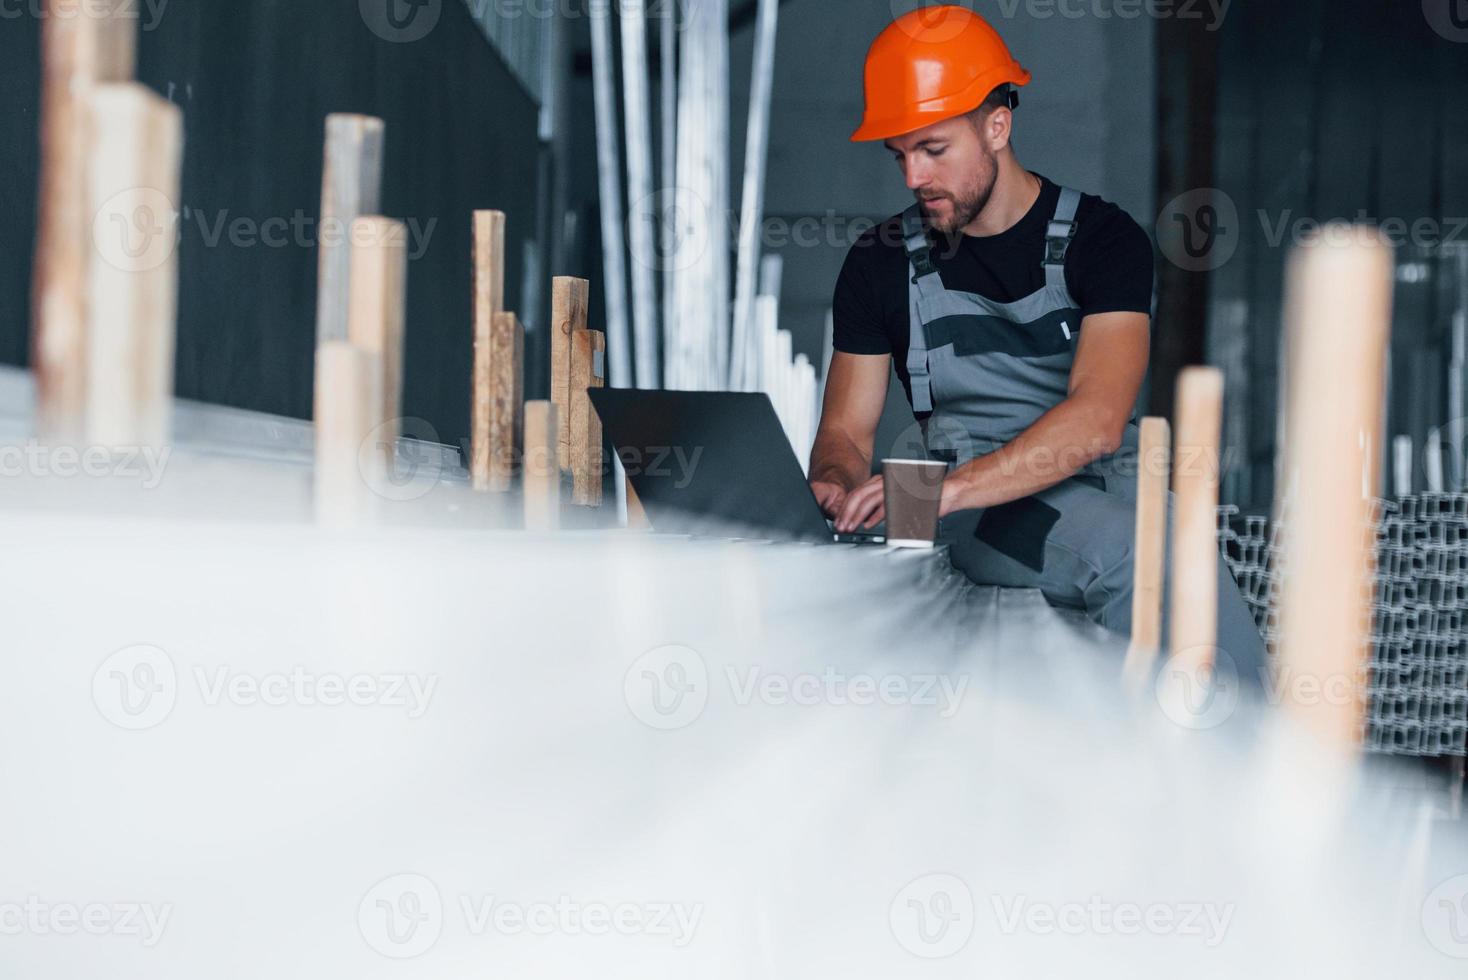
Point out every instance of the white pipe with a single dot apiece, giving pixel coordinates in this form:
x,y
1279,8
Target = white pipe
x,y
756,153
669,111
609,167
640,229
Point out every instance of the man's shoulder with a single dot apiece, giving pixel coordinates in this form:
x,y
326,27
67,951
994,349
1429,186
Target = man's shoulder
x,y
1098,217
877,245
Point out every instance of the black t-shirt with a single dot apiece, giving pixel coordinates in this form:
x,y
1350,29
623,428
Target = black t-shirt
x,y
1108,269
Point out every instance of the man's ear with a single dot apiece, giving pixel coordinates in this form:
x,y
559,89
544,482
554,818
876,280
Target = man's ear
x,y
997,129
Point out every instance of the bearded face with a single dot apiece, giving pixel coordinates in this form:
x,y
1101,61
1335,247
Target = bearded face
x,y
950,170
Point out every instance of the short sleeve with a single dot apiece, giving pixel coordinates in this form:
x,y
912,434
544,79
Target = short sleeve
x,y
857,307
1113,270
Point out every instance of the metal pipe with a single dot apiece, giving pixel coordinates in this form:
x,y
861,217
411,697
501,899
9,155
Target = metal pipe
x,y
640,230
609,167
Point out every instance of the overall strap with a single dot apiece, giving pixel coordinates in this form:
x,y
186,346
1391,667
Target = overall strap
x,y
925,283
1058,236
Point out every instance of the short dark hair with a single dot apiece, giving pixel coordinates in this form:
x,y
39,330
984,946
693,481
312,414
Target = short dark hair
x,y
1001,98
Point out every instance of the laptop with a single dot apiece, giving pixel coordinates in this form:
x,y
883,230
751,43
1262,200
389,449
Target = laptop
x,y
714,463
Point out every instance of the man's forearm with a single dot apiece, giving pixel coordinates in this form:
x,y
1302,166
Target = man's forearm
x,y
835,458
1060,444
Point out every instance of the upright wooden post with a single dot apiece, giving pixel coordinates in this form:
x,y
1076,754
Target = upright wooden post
x,y
77,53
568,314
1149,553
348,395
133,183
489,302
542,480
1195,527
376,313
505,384
1338,310
588,370
351,186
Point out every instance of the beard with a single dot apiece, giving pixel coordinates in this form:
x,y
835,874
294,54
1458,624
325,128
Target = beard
x,y
965,204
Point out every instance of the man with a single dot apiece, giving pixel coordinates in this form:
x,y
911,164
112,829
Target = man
x,y
1018,313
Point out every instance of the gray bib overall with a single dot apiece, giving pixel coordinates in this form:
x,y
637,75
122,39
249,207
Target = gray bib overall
x,y
987,371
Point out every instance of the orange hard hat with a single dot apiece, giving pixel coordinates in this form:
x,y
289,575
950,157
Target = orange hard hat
x,y
933,64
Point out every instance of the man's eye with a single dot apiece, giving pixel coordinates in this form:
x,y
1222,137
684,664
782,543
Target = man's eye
x,y
937,153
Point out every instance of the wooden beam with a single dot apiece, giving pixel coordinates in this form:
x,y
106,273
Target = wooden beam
x,y
569,298
351,186
1149,554
588,370
77,53
542,482
1338,314
1194,610
636,513
505,391
348,396
132,280
376,313
489,302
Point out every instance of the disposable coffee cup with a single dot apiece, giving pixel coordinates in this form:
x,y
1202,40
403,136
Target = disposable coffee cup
x,y
914,492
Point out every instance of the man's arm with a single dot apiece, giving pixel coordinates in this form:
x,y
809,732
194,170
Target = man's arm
x,y
856,393
1110,363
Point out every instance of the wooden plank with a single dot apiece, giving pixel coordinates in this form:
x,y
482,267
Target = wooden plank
x,y
1194,609
636,513
504,439
349,393
489,302
588,370
542,482
569,298
77,53
1149,553
132,280
376,313
351,185
1338,317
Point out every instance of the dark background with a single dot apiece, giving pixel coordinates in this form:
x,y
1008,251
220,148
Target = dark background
x,y
256,80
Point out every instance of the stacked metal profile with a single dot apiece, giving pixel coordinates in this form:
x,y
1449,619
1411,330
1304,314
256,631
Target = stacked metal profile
x,y
1417,675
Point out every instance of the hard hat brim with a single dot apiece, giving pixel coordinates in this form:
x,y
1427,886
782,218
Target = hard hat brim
x,y
939,110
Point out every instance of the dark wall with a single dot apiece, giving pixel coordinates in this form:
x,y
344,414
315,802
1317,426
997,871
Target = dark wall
x,y
256,80
1346,109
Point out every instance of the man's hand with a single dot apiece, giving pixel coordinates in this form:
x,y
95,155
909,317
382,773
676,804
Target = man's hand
x,y
956,496
865,507
831,496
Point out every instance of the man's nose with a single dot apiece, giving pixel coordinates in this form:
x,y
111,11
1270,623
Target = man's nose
x,y
917,176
